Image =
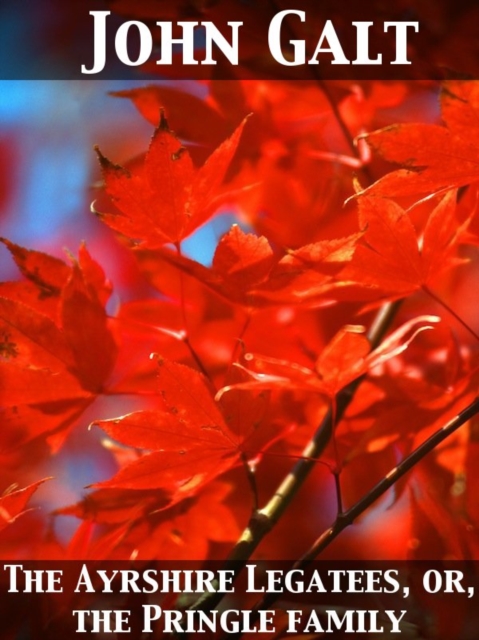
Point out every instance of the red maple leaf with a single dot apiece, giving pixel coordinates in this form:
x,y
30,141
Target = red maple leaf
x,y
166,198
434,157
182,532
345,358
246,270
393,261
192,439
56,347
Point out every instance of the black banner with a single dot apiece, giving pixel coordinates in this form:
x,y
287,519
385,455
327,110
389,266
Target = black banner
x,y
118,39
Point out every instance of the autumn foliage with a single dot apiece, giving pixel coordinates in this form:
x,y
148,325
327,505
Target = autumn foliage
x,y
310,313
333,330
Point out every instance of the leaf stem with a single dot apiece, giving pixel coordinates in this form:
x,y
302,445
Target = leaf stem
x,y
450,310
186,338
196,357
239,339
338,465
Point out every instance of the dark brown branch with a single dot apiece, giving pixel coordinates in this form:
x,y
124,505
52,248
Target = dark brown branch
x,y
348,517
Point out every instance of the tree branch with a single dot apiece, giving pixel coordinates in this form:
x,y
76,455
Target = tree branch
x,y
346,518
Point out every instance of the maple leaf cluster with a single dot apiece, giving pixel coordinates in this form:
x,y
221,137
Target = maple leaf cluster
x,y
206,383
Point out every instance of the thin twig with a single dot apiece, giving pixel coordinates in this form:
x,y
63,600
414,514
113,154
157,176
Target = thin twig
x,y
450,310
186,339
345,519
